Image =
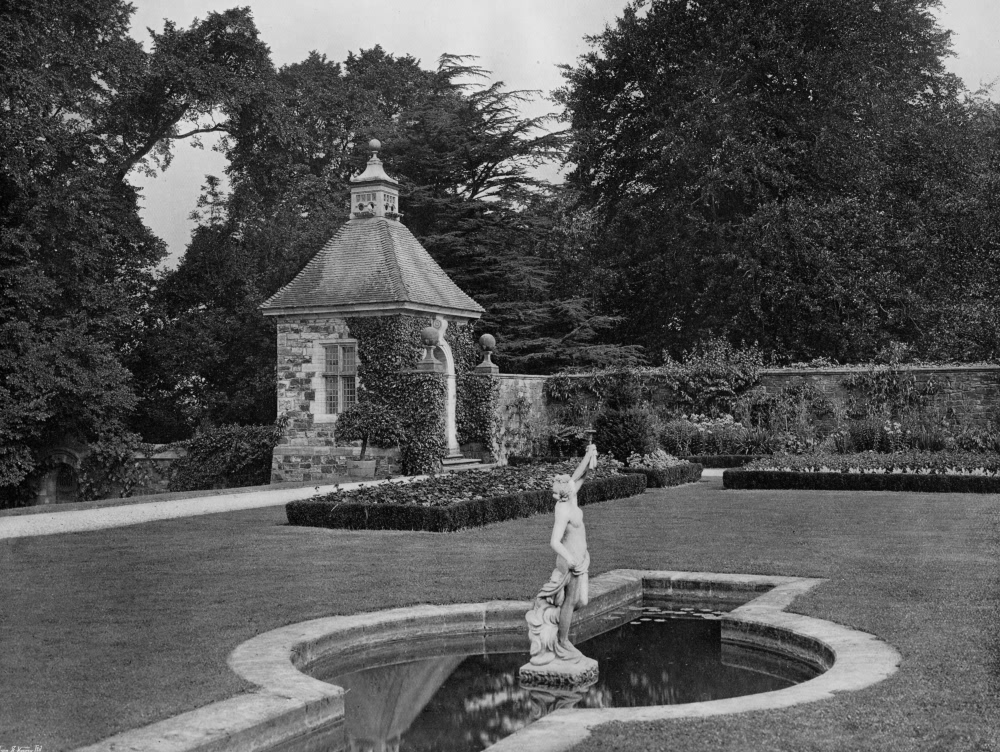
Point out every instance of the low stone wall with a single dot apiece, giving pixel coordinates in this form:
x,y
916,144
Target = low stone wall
x,y
326,463
155,467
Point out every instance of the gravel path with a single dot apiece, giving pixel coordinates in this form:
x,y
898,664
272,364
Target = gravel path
x,y
66,521
134,514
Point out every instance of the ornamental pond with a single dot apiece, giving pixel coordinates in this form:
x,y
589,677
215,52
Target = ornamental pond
x,y
451,695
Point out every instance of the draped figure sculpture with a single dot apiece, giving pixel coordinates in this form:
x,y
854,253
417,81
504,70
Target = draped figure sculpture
x,y
553,656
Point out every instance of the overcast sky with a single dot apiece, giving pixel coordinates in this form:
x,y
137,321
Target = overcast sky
x,y
521,41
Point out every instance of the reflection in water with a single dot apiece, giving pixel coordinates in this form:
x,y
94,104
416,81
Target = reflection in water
x,y
463,703
545,701
382,702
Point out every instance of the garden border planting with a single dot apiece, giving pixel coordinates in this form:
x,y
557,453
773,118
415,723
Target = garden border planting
x,y
755,480
663,477
462,514
722,460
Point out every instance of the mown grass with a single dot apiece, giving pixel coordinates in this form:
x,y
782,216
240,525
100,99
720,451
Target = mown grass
x,y
113,629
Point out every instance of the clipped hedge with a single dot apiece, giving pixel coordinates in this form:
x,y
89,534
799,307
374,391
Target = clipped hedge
x,y
457,516
664,477
838,481
722,460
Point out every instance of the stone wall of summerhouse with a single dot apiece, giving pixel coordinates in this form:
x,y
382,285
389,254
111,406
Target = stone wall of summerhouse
x,y
308,450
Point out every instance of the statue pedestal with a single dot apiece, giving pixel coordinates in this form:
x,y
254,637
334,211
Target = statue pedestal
x,y
559,674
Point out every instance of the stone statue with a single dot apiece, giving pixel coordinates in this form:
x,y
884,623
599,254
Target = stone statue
x,y
551,614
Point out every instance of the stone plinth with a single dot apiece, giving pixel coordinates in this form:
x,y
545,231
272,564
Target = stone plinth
x,y
560,674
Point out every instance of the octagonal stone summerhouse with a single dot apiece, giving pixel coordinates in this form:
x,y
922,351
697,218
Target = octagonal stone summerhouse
x,y
373,266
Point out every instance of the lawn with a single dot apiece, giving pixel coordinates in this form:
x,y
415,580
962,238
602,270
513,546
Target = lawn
x,y
113,629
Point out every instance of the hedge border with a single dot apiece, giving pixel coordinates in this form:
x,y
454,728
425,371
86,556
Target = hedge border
x,y
462,514
910,482
723,460
664,477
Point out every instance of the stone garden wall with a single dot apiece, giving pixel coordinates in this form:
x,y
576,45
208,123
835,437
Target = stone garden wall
x,y
969,395
520,409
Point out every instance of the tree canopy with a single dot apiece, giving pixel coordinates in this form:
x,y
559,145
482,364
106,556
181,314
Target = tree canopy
x,y
82,105
790,172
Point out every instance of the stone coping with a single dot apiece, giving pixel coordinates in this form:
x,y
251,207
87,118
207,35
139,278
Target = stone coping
x,y
290,704
826,370
958,368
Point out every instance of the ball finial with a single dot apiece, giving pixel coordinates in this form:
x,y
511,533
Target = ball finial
x,y
374,144
487,342
429,336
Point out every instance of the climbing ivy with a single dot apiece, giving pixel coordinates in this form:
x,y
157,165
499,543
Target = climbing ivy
x,y
477,394
888,391
389,349
422,445
387,346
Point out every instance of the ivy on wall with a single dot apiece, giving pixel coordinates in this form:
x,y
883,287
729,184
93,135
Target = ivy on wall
x,y
422,416
477,394
888,391
389,348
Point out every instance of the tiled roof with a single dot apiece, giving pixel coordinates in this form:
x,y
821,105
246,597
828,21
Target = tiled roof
x,y
376,262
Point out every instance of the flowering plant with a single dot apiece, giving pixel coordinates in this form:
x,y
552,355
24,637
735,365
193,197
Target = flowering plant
x,y
657,459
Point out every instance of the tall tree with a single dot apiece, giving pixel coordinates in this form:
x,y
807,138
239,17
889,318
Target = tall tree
x,y
82,104
765,169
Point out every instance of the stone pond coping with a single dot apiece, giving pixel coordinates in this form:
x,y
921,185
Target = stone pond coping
x,y
289,704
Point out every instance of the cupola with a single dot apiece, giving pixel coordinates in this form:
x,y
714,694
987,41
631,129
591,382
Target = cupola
x,y
373,192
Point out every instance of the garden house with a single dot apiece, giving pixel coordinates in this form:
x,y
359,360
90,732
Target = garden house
x,y
356,315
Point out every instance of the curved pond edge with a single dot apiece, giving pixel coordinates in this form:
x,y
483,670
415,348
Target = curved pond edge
x,y
289,704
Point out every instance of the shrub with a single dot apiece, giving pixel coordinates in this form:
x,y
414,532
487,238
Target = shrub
x,y
662,469
565,440
369,421
655,459
625,432
677,437
701,435
226,457
978,440
710,377
867,436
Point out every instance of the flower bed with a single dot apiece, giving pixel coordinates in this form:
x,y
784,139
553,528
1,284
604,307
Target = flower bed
x,y
664,477
939,472
663,470
451,502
